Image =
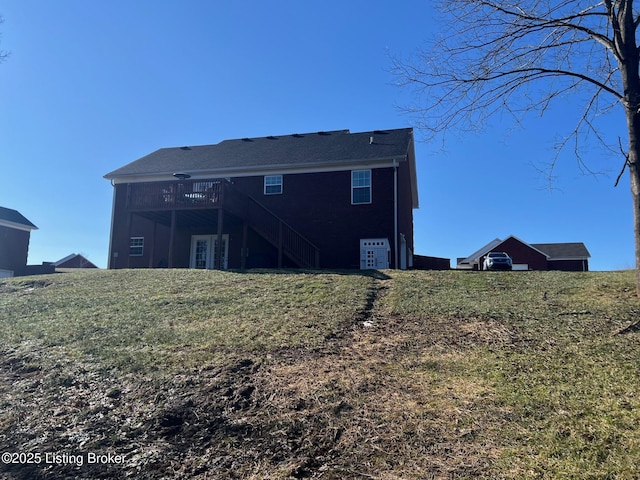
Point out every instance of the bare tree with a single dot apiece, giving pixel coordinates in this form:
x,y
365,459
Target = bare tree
x,y
520,56
3,54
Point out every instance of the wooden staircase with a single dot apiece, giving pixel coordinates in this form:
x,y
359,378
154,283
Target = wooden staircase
x,y
287,240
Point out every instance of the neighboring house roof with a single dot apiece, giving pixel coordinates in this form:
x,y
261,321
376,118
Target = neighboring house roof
x,y
553,251
14,219
479,253
495,245
338,149
563,251
75,260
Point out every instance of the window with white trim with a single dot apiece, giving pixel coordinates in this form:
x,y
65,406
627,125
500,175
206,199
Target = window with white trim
x,y
272,184
360,186
136,246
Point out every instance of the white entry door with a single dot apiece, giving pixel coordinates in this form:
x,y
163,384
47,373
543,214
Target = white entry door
x,y
204,249
374,253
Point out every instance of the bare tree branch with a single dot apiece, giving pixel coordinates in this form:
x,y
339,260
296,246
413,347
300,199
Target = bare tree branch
x,y
504,51
3,53
624,166
519,57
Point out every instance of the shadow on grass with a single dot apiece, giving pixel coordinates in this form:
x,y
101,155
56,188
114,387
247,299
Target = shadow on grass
x,y
377,274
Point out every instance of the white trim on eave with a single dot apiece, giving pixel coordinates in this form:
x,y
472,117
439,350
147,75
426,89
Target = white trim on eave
x,y
17,226
528,245
475,256
65,259
259,171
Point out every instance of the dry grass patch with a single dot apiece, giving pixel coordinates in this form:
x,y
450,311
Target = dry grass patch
x,y
403,375
562,382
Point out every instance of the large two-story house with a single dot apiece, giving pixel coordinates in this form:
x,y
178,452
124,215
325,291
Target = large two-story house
x,y
335,200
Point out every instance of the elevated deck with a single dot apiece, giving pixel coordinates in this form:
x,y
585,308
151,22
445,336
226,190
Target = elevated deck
x,y
153,198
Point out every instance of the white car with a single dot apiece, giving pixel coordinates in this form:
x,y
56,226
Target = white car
x,y
497,261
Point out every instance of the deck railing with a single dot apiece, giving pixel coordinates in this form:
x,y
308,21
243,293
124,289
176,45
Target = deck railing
x,y
214,193
282,235
183,194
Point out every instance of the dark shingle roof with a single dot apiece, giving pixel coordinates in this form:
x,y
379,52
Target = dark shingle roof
x,y
575,250
285,151
13,216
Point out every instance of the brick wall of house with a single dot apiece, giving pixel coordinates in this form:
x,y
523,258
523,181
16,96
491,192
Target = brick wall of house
x,y
317,205
569,265
15,249
405,203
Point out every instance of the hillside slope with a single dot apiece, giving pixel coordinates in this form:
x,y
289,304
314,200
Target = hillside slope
x,y
199,374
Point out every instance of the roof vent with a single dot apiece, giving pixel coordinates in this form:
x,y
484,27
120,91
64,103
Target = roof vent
x,y
297,135
271,137
246,139
185,148
324,133
371,140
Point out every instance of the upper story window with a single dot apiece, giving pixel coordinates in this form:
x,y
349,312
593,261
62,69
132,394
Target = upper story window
x,y
272,184
360,186
136,246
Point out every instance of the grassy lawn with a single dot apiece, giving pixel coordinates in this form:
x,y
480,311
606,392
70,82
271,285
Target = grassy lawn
x,y
166,319
557,386
268,374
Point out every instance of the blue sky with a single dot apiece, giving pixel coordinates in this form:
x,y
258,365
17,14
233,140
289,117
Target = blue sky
x,y
91,86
